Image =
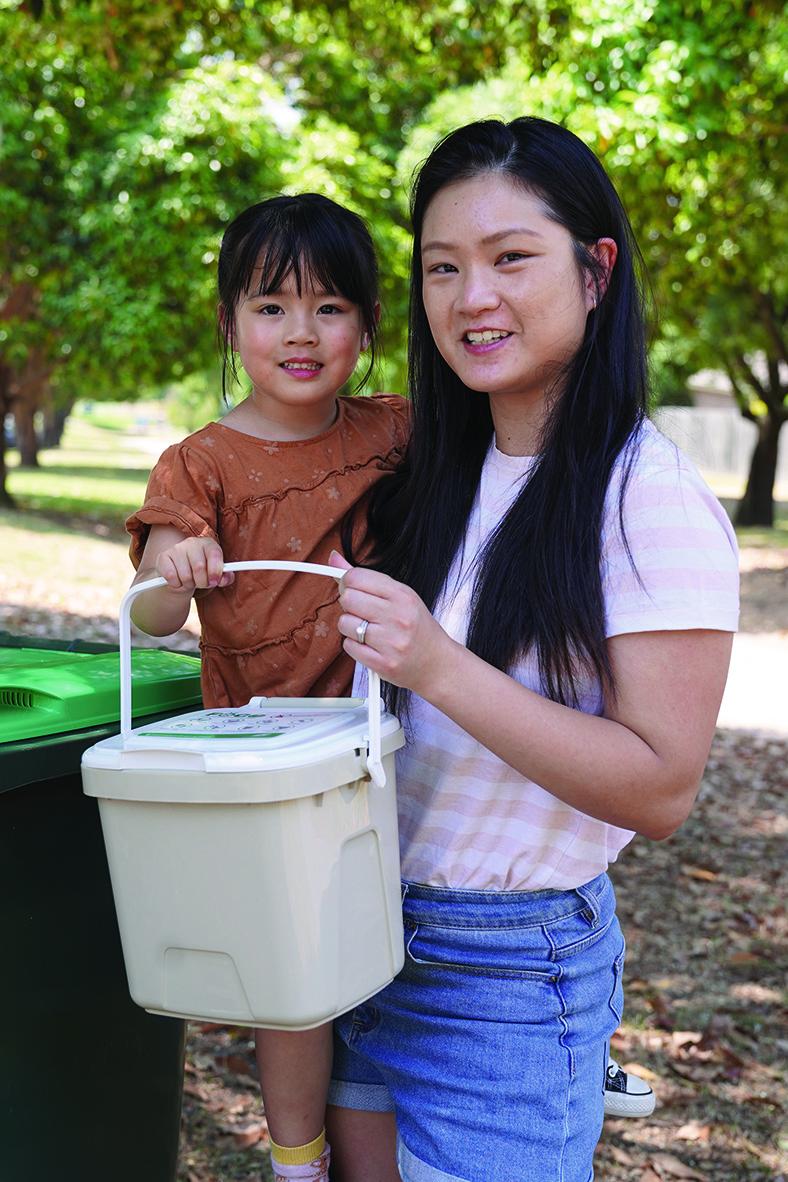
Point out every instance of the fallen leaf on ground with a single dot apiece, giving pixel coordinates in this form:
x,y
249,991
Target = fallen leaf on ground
x,y
693,1131
247,1135
700,873
236,1063
620,1155
196,1090
683,1038
662,1011
668,1166
743,958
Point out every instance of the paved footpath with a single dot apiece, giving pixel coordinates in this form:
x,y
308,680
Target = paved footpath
x,y
756,696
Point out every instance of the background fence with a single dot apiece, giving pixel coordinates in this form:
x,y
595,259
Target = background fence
x,y
720,442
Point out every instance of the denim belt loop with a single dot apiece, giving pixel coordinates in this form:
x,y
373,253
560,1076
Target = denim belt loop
x,y
591,910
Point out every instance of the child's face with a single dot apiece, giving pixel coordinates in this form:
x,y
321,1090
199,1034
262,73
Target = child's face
x,y
297,351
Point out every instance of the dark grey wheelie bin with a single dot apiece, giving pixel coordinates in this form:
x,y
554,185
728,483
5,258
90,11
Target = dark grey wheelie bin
x,y
90,1084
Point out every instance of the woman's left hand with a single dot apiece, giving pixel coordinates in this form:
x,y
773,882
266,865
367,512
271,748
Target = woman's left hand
x,y
402,641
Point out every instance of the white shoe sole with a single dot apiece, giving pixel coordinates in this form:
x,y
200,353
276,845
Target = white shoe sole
x,y
627,1104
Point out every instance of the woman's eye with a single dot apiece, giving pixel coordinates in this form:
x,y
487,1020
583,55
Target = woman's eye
x,y
442,269
513,256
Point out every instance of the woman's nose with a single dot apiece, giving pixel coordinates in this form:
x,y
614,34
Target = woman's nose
x,y
477,294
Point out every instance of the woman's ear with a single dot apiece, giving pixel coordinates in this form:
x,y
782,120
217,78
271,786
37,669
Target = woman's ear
x,y
605,252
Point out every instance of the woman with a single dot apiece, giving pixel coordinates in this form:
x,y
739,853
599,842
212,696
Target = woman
x,y
553,601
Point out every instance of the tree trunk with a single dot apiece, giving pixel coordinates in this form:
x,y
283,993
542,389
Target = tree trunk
x,y
6,500
757,505
26,438
54,423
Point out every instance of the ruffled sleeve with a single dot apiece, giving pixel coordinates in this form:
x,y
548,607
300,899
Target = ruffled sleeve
x,y
400,419
184,490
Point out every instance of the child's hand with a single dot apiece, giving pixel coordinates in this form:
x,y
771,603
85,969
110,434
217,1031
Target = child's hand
x,y
194,564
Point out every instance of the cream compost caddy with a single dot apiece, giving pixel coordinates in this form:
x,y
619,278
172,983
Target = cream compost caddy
x,y
253,852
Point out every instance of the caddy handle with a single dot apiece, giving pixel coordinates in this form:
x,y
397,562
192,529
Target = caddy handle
x,y
374,762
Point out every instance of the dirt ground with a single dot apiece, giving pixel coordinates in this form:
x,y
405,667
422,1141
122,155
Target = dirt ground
x,y
704,916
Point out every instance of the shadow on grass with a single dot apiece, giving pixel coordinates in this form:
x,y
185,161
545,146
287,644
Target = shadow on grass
x,y
760,535
53,624
128,472
101,520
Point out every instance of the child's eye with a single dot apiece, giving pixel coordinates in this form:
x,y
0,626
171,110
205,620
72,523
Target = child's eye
x,y
328,309
269,309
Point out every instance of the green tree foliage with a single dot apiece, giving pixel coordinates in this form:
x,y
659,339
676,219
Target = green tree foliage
x,y
683,104
72,78
132,132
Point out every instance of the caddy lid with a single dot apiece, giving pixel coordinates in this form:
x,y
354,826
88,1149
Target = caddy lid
x,y
266,734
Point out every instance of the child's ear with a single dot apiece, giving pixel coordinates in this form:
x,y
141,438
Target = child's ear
x,y
605,251
365,337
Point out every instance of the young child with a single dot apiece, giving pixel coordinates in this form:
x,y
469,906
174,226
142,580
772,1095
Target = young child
x,y
298,304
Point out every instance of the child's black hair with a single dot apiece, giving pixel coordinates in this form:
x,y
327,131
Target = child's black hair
x,y
322,244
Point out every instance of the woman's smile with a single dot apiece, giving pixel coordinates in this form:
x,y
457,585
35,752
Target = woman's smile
x,y
485,340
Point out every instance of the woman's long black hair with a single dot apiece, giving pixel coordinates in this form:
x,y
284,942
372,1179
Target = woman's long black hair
x,y
538,586
321,243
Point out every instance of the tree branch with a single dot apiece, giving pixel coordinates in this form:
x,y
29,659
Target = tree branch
x,y
739,393
769,319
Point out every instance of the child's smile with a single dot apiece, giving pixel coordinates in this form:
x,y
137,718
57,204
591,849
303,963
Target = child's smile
x,y
302,368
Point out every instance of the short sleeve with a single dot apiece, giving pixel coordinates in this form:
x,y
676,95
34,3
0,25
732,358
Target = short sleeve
x,y
183,491
400,418
675,565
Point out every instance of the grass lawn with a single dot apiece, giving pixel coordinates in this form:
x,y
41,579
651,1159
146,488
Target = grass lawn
x,y
96,478
69,567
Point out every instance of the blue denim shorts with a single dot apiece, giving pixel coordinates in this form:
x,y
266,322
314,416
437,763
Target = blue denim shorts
x,y
490,1046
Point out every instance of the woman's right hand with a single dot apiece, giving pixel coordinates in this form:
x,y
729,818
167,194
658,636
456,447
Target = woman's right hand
x,y
193,564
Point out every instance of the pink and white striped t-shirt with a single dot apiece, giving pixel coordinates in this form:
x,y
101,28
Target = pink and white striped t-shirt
x,y
467,819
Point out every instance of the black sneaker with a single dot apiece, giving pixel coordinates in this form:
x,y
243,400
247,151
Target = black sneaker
x,y
626,1094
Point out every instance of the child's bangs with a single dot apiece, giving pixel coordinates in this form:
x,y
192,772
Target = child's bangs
x,y
270,259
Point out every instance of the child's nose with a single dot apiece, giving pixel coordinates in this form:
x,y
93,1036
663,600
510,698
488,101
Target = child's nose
x,y
301,330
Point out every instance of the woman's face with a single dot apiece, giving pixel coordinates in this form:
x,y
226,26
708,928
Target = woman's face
x,y
505,297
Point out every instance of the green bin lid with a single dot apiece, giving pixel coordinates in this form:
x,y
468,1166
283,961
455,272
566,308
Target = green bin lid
x,y
50,692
